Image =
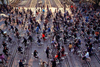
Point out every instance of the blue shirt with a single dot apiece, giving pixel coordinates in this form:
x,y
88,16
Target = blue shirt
x,y
87,19
49,30
21,64
37,29
43,10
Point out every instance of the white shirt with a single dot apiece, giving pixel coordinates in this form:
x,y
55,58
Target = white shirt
x,y
87,55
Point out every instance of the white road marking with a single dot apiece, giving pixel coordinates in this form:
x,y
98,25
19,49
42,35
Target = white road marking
x,y
33,3
58,3
23,2
49,3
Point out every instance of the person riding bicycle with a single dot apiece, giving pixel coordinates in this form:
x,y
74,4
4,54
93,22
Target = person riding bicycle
x,y
20,49
47,51
9,39
25,41
2,58
1,31
62,51
35,54
54,62
4,44
38,41
21,64
30,38
86,56
5,50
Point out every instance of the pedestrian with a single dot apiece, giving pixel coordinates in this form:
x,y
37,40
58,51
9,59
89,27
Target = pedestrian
x,y
37,29
25,41
2,58
1,31
12,28
75,49
49,30
17,34
57,37
21,64
62,51
4,44
52,43
16,29
38,41
58,54
5,50
9,39
35,54
30,38
53,62
89,50
41,17
58,46
43,36
27,31
47,52
10,19
6,23
43,10
43,64
64,39
70,47
20,49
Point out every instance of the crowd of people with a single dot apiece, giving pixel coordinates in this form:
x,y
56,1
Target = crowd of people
x,y
82,25
5,8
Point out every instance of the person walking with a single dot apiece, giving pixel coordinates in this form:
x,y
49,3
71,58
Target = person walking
x,y
43,36
21,64
53,62
70,47
47,52
35,54
62,51
38,41
25,41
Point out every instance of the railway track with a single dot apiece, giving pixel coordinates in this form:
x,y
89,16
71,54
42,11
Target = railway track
x,y
13,56
86,62
67,62
97,58
12,59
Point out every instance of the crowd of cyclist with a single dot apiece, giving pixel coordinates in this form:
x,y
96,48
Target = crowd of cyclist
x,y
83,24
